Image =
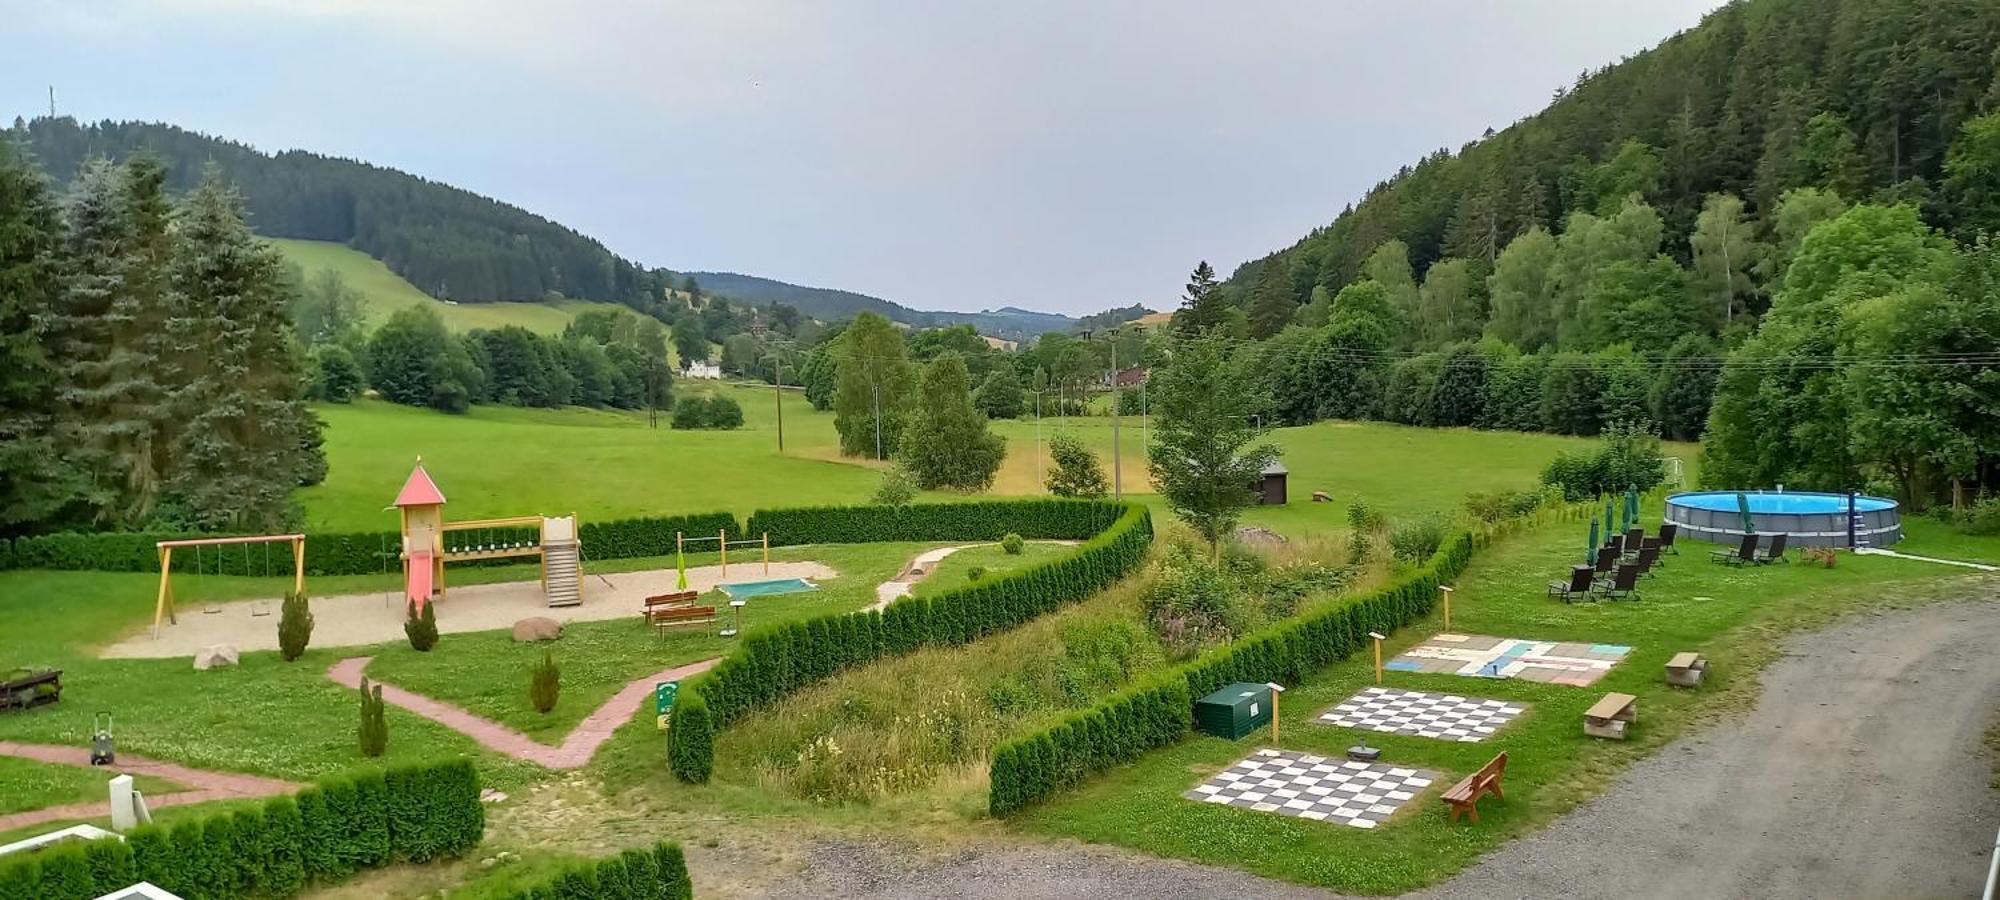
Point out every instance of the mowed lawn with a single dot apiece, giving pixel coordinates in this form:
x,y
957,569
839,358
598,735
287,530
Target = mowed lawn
x,y
497,461
384,292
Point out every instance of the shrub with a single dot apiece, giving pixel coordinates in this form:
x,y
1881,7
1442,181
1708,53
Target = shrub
x,y
967,522
1496,506
975,573
421,627
1157,712
1077,472
1628,456
374,732
295,626
1193,603
898,487
1011,544
1981,518
544,683
1417,539
660,872
414,814
707,412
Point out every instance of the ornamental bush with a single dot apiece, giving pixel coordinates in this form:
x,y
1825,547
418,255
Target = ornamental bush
x,y
374,731
295,626
279,849
421,626
544,683
1012,544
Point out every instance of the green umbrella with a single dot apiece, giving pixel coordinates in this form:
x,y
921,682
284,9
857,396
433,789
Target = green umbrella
x,y
680,565
1590,550
1608,530
1743,506
1631,506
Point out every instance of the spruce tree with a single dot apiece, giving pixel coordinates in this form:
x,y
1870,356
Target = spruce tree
x,y
1202,308
1203,459
36,481
245,433
374,731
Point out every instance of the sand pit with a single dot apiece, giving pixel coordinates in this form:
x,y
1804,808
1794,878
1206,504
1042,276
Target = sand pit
x,y
362,619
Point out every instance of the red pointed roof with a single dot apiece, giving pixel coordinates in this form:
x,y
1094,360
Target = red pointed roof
x,y
420,490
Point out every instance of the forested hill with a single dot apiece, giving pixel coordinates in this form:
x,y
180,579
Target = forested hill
x,y
1861,96
451,243
828,304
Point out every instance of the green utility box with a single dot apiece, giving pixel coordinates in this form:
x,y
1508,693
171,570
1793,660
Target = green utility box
x,y
1234,711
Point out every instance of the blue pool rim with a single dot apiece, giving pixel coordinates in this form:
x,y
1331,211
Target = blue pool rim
x,y
750,588
1807,518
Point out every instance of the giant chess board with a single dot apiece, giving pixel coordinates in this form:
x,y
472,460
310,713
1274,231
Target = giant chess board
x,y
1320,788
1446,717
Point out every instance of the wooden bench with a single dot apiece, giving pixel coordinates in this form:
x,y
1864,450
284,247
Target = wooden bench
x,y
1611,716
1464,796
1686,669
33,689
1322,497
683,615
661,604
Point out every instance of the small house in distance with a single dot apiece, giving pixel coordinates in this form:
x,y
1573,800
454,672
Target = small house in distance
x,y
1270,485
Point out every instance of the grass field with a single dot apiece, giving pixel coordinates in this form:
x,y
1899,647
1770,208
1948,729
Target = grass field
x,y
498,461
383,292
26,785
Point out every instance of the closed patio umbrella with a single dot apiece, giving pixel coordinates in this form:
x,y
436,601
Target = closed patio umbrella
x,y
1590,549
1743,507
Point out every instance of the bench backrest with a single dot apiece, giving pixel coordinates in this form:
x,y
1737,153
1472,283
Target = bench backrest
x,y
687,612
1493,769
664,599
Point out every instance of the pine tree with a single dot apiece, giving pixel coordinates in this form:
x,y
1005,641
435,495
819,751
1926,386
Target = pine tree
x,y
1202,458
946,443
246,437
295,626
420,626
1271,302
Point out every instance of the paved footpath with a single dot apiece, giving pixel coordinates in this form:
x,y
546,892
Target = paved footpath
x,y
577,747
206,786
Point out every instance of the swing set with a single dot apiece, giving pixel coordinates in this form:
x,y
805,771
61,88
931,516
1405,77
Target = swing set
x,y
164,606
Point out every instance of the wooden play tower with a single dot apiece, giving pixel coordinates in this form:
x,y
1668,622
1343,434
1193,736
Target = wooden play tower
x,y
429,542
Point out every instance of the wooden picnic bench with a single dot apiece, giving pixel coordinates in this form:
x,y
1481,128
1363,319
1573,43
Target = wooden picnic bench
x,y
1322,497
1686,669
1464,796
683,615
661,604
1609,717
32,689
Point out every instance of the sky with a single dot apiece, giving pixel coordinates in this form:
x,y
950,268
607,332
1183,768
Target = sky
x,y
1049,154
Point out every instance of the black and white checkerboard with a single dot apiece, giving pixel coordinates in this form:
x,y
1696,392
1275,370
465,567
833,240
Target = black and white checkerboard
x,y
1444,716
1314,787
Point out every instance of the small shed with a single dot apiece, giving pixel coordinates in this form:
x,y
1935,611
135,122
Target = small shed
x,y
1234,711
1271,485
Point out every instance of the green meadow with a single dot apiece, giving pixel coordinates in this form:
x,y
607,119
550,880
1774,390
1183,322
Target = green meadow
x,y
384,292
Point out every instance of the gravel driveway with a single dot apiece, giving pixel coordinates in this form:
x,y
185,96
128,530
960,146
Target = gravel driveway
x,y
1861,773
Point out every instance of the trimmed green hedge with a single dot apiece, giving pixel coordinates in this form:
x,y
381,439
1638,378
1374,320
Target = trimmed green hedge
x,y
657,874
777,660
985,520
1158,712
354,553
324,835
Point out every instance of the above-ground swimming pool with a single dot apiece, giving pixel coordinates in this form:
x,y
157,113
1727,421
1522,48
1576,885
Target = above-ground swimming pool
x,y
1808,519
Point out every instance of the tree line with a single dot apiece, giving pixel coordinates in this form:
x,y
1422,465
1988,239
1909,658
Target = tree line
x,y
149,378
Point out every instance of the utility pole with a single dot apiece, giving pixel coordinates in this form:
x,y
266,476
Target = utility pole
x,y
52,101
778,391
1041,473
1117,462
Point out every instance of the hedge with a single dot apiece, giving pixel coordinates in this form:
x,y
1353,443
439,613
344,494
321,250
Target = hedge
x,y
325,834
985,520
776,660
657,874
1157,712
333,553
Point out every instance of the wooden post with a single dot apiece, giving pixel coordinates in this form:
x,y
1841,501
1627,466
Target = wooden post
x,y
164,605
722,541
767,553
1378,655
299,565
1276,689
1446,590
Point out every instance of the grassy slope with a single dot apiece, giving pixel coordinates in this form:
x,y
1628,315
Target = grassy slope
x,y
384,292
26,785
1730,615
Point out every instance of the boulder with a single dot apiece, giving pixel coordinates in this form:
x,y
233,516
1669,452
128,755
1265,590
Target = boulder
x,y
214,656
1258,537
537,628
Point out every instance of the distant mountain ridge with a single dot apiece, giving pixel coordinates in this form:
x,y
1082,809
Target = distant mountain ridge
x,y
1008,322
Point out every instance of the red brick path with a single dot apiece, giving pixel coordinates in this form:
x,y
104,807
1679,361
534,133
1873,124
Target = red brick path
x,y
577,747
206,786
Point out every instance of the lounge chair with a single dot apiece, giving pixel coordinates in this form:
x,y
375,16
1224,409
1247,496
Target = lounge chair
x,y
1775,553
1607,559
1648,557
1633,536
1644,545
1623,586
1580,579
1669,531
1745,552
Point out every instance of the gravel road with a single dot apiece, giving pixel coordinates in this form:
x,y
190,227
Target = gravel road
x,y
1861,773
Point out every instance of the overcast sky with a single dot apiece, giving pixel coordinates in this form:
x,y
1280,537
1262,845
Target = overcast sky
x,y
1051,154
